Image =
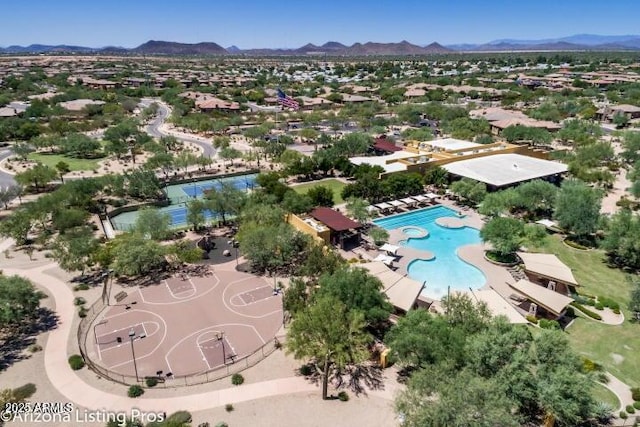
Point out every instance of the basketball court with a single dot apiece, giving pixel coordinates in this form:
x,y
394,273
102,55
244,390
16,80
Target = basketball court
x,y
186,325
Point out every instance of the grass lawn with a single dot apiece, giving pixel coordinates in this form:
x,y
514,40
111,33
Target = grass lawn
x,y
335,186
74,164
617,348
604,395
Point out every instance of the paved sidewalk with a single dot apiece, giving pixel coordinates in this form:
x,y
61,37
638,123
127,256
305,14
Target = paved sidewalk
x,y
77,391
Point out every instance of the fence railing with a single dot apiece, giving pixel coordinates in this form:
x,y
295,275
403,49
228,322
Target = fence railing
x,y
239,364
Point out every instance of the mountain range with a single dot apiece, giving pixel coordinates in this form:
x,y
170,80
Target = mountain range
x,y
571,43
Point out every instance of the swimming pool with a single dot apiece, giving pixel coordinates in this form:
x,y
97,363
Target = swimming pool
x,y
180,194
446,269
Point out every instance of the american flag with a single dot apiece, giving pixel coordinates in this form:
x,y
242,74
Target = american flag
x,y
287,101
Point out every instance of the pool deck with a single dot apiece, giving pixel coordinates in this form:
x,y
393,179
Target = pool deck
x,y
497,277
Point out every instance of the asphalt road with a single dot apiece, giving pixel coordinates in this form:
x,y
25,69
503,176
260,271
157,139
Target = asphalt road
x,y
6,180
153,129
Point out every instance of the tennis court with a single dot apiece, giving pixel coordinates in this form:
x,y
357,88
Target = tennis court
x,y
180,194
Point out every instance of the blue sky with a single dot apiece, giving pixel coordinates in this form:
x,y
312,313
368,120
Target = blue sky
x,y
290,23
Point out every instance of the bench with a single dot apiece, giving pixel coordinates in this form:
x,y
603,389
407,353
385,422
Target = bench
x,y
120,296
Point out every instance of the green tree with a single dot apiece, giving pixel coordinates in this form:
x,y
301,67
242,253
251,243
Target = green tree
x,y
577,208
63,168
634,298
226,200
64,219
622,240
328,335
195,212
357,209
421,339
620,120
321,195
358,290
436,397
296,203
19,301
22,150
229,154
17,226
379,235
79,145
437,176
504,234
74,250
143,184
136,256
38,176
151,224
469,190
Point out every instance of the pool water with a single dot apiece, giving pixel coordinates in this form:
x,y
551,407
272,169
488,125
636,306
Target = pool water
x,y
447,269
180,194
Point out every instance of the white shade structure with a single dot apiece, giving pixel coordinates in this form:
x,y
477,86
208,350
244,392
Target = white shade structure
x,y
386,259
391,249
409,201
397,203
384,206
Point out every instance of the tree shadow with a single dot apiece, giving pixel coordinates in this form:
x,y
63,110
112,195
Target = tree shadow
x,y
355,378
13,342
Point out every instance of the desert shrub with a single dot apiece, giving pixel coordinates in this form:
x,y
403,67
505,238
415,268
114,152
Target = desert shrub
x,y
228,407
151,381
630,409
76,362
616,311
220,424
34,348
135,391
533,319
549,324
24,392
179,418
623,415
306,370
237,379
81,287
79,301
635,393
599,306
343,396
82,312
636,405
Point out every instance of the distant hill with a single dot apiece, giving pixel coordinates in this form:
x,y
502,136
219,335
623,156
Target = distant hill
x,y
42,48
574,42
153,47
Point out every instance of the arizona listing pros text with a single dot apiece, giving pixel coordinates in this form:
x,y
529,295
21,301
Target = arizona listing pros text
x,y
56,412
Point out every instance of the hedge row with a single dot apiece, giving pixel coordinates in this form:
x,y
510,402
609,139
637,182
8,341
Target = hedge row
x,y
586,311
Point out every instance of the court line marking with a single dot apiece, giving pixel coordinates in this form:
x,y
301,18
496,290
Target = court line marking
x,y
182,300
164,334
124,342
255,301
204,357
224,301
192,289
211,327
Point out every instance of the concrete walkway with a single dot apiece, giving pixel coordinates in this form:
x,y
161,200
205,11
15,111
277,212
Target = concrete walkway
x,y
72,387
621,390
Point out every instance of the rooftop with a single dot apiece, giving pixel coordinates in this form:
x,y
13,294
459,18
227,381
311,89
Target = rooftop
x,y
334,219
547,265
504,169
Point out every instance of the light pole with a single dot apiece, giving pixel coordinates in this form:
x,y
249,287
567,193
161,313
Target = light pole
x,y
224,353
132,337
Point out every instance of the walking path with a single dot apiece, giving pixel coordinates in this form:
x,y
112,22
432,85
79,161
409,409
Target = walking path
x,y
70,385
